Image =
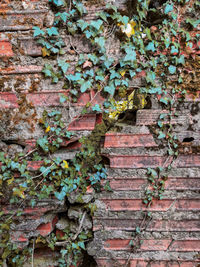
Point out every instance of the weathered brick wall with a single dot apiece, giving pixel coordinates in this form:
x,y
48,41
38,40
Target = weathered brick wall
x,y
172,236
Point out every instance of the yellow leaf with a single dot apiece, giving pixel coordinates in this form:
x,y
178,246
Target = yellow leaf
x,y
40,240
123,72
65,164
10,181
45,52
18,192
129,28
47,129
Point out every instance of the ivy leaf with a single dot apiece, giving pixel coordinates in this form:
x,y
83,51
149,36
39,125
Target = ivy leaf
x,y
96,24
100,41
52,31
43,143
172,69
81,244
130,54
96,108
114,74
85,85
181,60
58,2
45,171
161,135
37,31
103,15
18,192
62,15
150,47
63,98
164,100
63,65
193,22
110,89
174,49
47,70
60,196
82,24
168,8
148,33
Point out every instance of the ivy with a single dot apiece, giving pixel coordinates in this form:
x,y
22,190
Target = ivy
x,y
154,50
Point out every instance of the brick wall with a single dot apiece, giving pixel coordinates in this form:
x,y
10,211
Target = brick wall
x,y
172,235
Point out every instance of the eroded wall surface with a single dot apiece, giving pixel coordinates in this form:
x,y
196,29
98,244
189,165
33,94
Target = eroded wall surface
x,y
171,237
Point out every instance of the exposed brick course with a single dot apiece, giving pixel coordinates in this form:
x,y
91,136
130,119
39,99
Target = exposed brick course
x,y
172,237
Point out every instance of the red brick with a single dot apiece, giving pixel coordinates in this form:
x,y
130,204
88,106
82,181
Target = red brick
x,y
127,184
30,47
8,100
34,165
187,161
147,245
129,161
6,49
155,225
67,144
21,69
182,183
150,116
32,211
174,226
129,140
96,98
17,236
185,245
86,122
188,204
46,228
123,184
109,262
52,98
136,204
21,20
115,224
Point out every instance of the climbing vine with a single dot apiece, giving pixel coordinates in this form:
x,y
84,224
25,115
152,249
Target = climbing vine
x,y
153,43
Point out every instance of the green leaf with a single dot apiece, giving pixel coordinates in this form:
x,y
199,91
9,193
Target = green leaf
x,y
150,47
85,85
164,100
52,31
96,108
81,244
172,69
96,24
82,24
43,143
63,65
148,33
63,98
63,16
58,3
161,135
130,54
110,89
181,60
37,31
168,8
100,41
174,49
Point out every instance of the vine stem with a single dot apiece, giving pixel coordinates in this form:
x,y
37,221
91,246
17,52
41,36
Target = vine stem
x,y
32,264
37,176
80,226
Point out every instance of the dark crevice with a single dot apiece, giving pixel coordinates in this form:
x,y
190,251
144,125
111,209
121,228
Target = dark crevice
x,y
188,139
88,261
